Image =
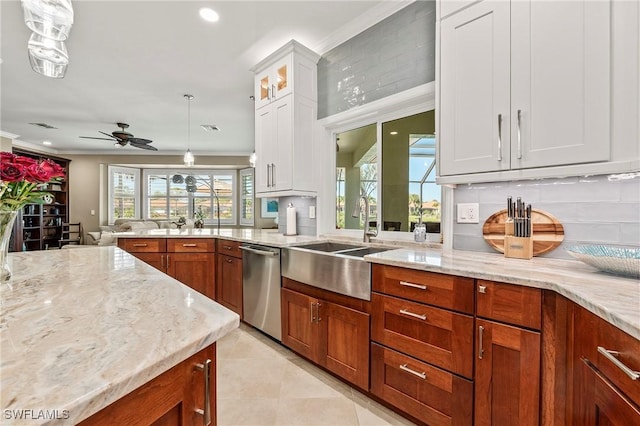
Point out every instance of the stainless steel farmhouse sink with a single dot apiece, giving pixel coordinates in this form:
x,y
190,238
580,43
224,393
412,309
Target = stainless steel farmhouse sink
x,y
332,266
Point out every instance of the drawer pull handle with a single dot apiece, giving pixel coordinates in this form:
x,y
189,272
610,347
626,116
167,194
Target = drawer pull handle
x,y
411,314
611,356
482,289
229,261
190,245
206,413
412,285
140,245
228,248
480,345
422,375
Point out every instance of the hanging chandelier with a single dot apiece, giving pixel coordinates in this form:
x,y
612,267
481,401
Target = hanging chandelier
x,y
188,156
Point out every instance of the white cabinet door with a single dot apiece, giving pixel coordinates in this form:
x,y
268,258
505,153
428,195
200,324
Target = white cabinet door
x,y
274,82
560,100
264,149
282,166
474,90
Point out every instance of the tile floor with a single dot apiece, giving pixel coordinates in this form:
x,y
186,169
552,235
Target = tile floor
x,y
262,383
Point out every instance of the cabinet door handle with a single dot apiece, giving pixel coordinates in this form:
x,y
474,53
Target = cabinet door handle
x,y
480,346
206,413
273,91
408,284
268,92
229,260
519,121
162,261
189,245
411,314
268,175
318,317
273,174
140,245
422,375
313,318
499,137
482,289
611,356
228,247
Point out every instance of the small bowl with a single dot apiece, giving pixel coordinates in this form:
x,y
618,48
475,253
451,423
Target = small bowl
x,y
623,261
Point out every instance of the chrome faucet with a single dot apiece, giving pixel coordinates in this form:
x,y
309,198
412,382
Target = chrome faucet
x,y
368,233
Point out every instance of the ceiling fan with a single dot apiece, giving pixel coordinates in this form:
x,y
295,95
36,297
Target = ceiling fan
x,y
122,138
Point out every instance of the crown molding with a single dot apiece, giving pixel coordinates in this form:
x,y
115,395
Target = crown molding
x,y
356,26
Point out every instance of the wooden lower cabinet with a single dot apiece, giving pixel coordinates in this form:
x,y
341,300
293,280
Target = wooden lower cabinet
x,y
507,375
229,283
189,260
171,399
331,335
430,394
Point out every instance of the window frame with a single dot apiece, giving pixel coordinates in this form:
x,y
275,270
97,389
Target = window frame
x,y
112,170
209,172
241,197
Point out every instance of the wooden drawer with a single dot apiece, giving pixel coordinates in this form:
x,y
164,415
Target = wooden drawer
x,y
446,291
429,394
625,349
143,245
434,335
509,303
230,248
191,245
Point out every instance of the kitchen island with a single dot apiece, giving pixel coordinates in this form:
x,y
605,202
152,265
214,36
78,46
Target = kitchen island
x,y
82,328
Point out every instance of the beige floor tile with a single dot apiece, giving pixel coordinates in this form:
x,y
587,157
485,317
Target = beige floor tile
x,y
262,383
248,412
316,412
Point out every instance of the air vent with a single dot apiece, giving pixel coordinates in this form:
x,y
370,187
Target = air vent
x,y
43,125
210,127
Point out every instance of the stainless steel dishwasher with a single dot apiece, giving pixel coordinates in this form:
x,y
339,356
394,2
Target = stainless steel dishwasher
x,y
261,288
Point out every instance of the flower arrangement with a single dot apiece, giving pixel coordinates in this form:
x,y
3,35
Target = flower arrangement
x,y
22,178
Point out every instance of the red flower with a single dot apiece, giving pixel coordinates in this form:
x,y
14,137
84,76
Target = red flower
x,y
7,157
54,169
24,161
11,172
35,173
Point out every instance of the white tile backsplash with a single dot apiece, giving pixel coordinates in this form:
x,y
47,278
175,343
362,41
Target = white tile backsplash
x,y
593,210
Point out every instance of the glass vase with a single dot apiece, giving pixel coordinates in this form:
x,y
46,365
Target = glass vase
x,y
7,218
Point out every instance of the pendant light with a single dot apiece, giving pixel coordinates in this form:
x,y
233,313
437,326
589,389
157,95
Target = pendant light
x,y
188,156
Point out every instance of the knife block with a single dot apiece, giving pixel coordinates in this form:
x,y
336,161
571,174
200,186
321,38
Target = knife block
x,y
518,247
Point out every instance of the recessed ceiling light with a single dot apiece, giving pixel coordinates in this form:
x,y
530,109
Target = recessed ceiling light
x,y
393,133
46,142
209,15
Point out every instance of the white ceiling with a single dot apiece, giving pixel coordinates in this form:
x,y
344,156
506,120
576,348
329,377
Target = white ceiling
x,y
132,62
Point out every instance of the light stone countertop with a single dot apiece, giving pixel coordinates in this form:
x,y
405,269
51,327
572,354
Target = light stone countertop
x,y
269,237
613,298
80,328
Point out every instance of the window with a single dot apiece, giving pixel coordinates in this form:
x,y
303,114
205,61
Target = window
x,y
424,194
246,197
124,193
169,199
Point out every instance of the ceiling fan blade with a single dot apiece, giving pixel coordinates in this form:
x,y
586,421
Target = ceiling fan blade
x,y
143,146
107,134
139,140
91,137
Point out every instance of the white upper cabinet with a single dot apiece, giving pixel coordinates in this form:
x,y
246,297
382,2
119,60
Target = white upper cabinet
x,y
524,84
286,122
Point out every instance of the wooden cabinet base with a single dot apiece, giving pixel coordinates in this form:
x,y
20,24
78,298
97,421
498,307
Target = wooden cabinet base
x,y
172,398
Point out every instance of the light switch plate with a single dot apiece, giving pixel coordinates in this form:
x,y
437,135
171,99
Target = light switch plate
x,y
312,212
468,212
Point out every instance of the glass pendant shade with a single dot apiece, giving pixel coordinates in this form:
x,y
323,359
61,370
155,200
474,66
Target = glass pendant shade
x,y
50,18
47,57
188,158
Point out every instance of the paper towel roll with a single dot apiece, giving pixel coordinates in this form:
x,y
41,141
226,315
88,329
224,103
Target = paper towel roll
x,y
291,220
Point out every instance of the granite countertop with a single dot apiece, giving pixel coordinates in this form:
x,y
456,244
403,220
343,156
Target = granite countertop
x,y
80,328
269,237
613,298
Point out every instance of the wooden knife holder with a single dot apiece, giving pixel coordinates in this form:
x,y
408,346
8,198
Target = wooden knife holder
x,y
518,247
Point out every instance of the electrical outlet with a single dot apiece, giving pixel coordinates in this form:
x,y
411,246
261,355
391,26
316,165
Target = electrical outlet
x,y
468,213
312,212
